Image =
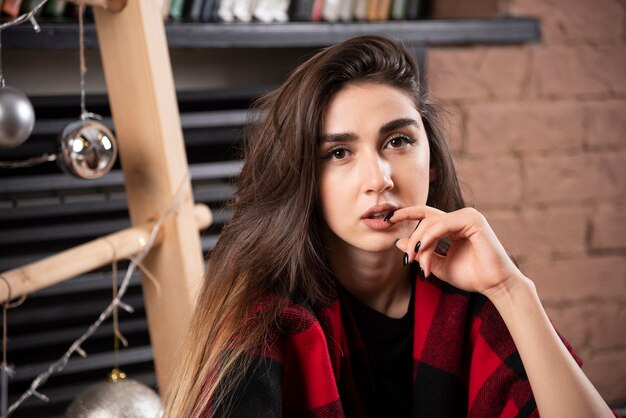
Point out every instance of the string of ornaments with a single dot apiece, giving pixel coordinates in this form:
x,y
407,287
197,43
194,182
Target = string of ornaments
x,y
86,148
118,396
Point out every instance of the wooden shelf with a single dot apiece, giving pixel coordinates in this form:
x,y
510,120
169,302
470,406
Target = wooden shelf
x,y
64,35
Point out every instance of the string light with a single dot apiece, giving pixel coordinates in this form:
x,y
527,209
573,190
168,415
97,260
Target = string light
x,y
30,16
28,162
6,371
135,261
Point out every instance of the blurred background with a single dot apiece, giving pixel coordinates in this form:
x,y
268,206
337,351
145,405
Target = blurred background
x,y
536,119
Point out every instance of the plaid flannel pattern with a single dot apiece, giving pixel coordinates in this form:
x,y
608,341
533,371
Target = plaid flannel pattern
x,y
465,363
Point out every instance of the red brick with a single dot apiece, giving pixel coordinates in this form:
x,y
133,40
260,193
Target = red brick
x,y
449,73
490,183
606,124
454,9
609,227
607,323
534,233
560,70
574,20
568,71
477,72
607,372
609,62
579,279
453,125
574,178
497,128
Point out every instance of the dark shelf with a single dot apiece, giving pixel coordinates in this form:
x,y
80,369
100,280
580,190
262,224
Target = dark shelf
x,y
55,35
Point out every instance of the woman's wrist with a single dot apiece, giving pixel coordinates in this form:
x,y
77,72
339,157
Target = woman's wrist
x,y
508,291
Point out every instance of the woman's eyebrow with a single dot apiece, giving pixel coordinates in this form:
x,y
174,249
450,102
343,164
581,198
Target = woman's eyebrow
x,y
342,137
397,124
385,129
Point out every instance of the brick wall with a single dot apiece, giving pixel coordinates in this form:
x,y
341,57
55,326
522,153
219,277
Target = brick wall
x,y
539,136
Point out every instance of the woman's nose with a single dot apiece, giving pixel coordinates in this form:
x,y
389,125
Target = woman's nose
x,y
377,175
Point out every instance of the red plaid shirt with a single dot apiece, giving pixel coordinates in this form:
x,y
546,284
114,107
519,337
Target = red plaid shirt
x,y
464,363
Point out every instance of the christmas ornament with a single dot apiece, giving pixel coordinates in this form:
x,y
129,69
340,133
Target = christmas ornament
x,y
17,117
86,149
116,398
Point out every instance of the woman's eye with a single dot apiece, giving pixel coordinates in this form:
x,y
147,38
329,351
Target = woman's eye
x,y
337,154
400,141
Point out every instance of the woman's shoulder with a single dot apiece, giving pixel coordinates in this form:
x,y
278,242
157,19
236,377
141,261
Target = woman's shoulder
x,y
294,313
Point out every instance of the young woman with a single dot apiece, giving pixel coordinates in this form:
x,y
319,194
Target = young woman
x,y
353,281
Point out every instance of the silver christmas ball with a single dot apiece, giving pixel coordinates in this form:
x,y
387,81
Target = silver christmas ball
x,y
17,117
87,149
125,398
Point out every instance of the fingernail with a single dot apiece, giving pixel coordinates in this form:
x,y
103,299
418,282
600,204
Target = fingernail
x,y
418,245
422,275
405,259
388,216
396,241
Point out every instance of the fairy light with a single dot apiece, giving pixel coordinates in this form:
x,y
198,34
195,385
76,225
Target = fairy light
x,y
28,162
135,261
6,371
29,16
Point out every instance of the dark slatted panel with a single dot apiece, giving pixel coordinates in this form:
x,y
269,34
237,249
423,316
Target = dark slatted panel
x,y
43,211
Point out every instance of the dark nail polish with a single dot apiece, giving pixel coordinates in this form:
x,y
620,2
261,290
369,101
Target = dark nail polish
x,y
419,270
388,216
422,275
405,259
396,241
418,245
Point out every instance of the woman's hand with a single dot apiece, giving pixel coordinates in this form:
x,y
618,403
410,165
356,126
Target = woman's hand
x,y
475,261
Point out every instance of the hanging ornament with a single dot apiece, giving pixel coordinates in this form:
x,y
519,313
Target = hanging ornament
x,y
118,397
86,148
17,117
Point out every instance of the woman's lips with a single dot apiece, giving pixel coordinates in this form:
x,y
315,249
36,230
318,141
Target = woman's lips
x,y
377,224
374,217
379,210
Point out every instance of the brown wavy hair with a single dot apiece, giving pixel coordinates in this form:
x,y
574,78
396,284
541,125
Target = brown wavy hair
x,y
273,243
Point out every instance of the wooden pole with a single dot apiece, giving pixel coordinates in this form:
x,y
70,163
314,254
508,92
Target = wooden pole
x,y
86,257
142,97
110,5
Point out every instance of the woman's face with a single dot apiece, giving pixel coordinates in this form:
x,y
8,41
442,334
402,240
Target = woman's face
x,y
375,159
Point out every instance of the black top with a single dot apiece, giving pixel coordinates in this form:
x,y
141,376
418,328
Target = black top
x,y
389,344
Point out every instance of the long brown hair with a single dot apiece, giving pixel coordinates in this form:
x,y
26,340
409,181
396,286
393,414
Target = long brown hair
x,y
273,245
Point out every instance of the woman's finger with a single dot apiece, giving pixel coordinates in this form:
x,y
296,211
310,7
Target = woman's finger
x,y
455,225
413,213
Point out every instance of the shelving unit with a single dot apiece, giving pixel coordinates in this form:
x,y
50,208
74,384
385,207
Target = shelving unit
x,y
64,35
